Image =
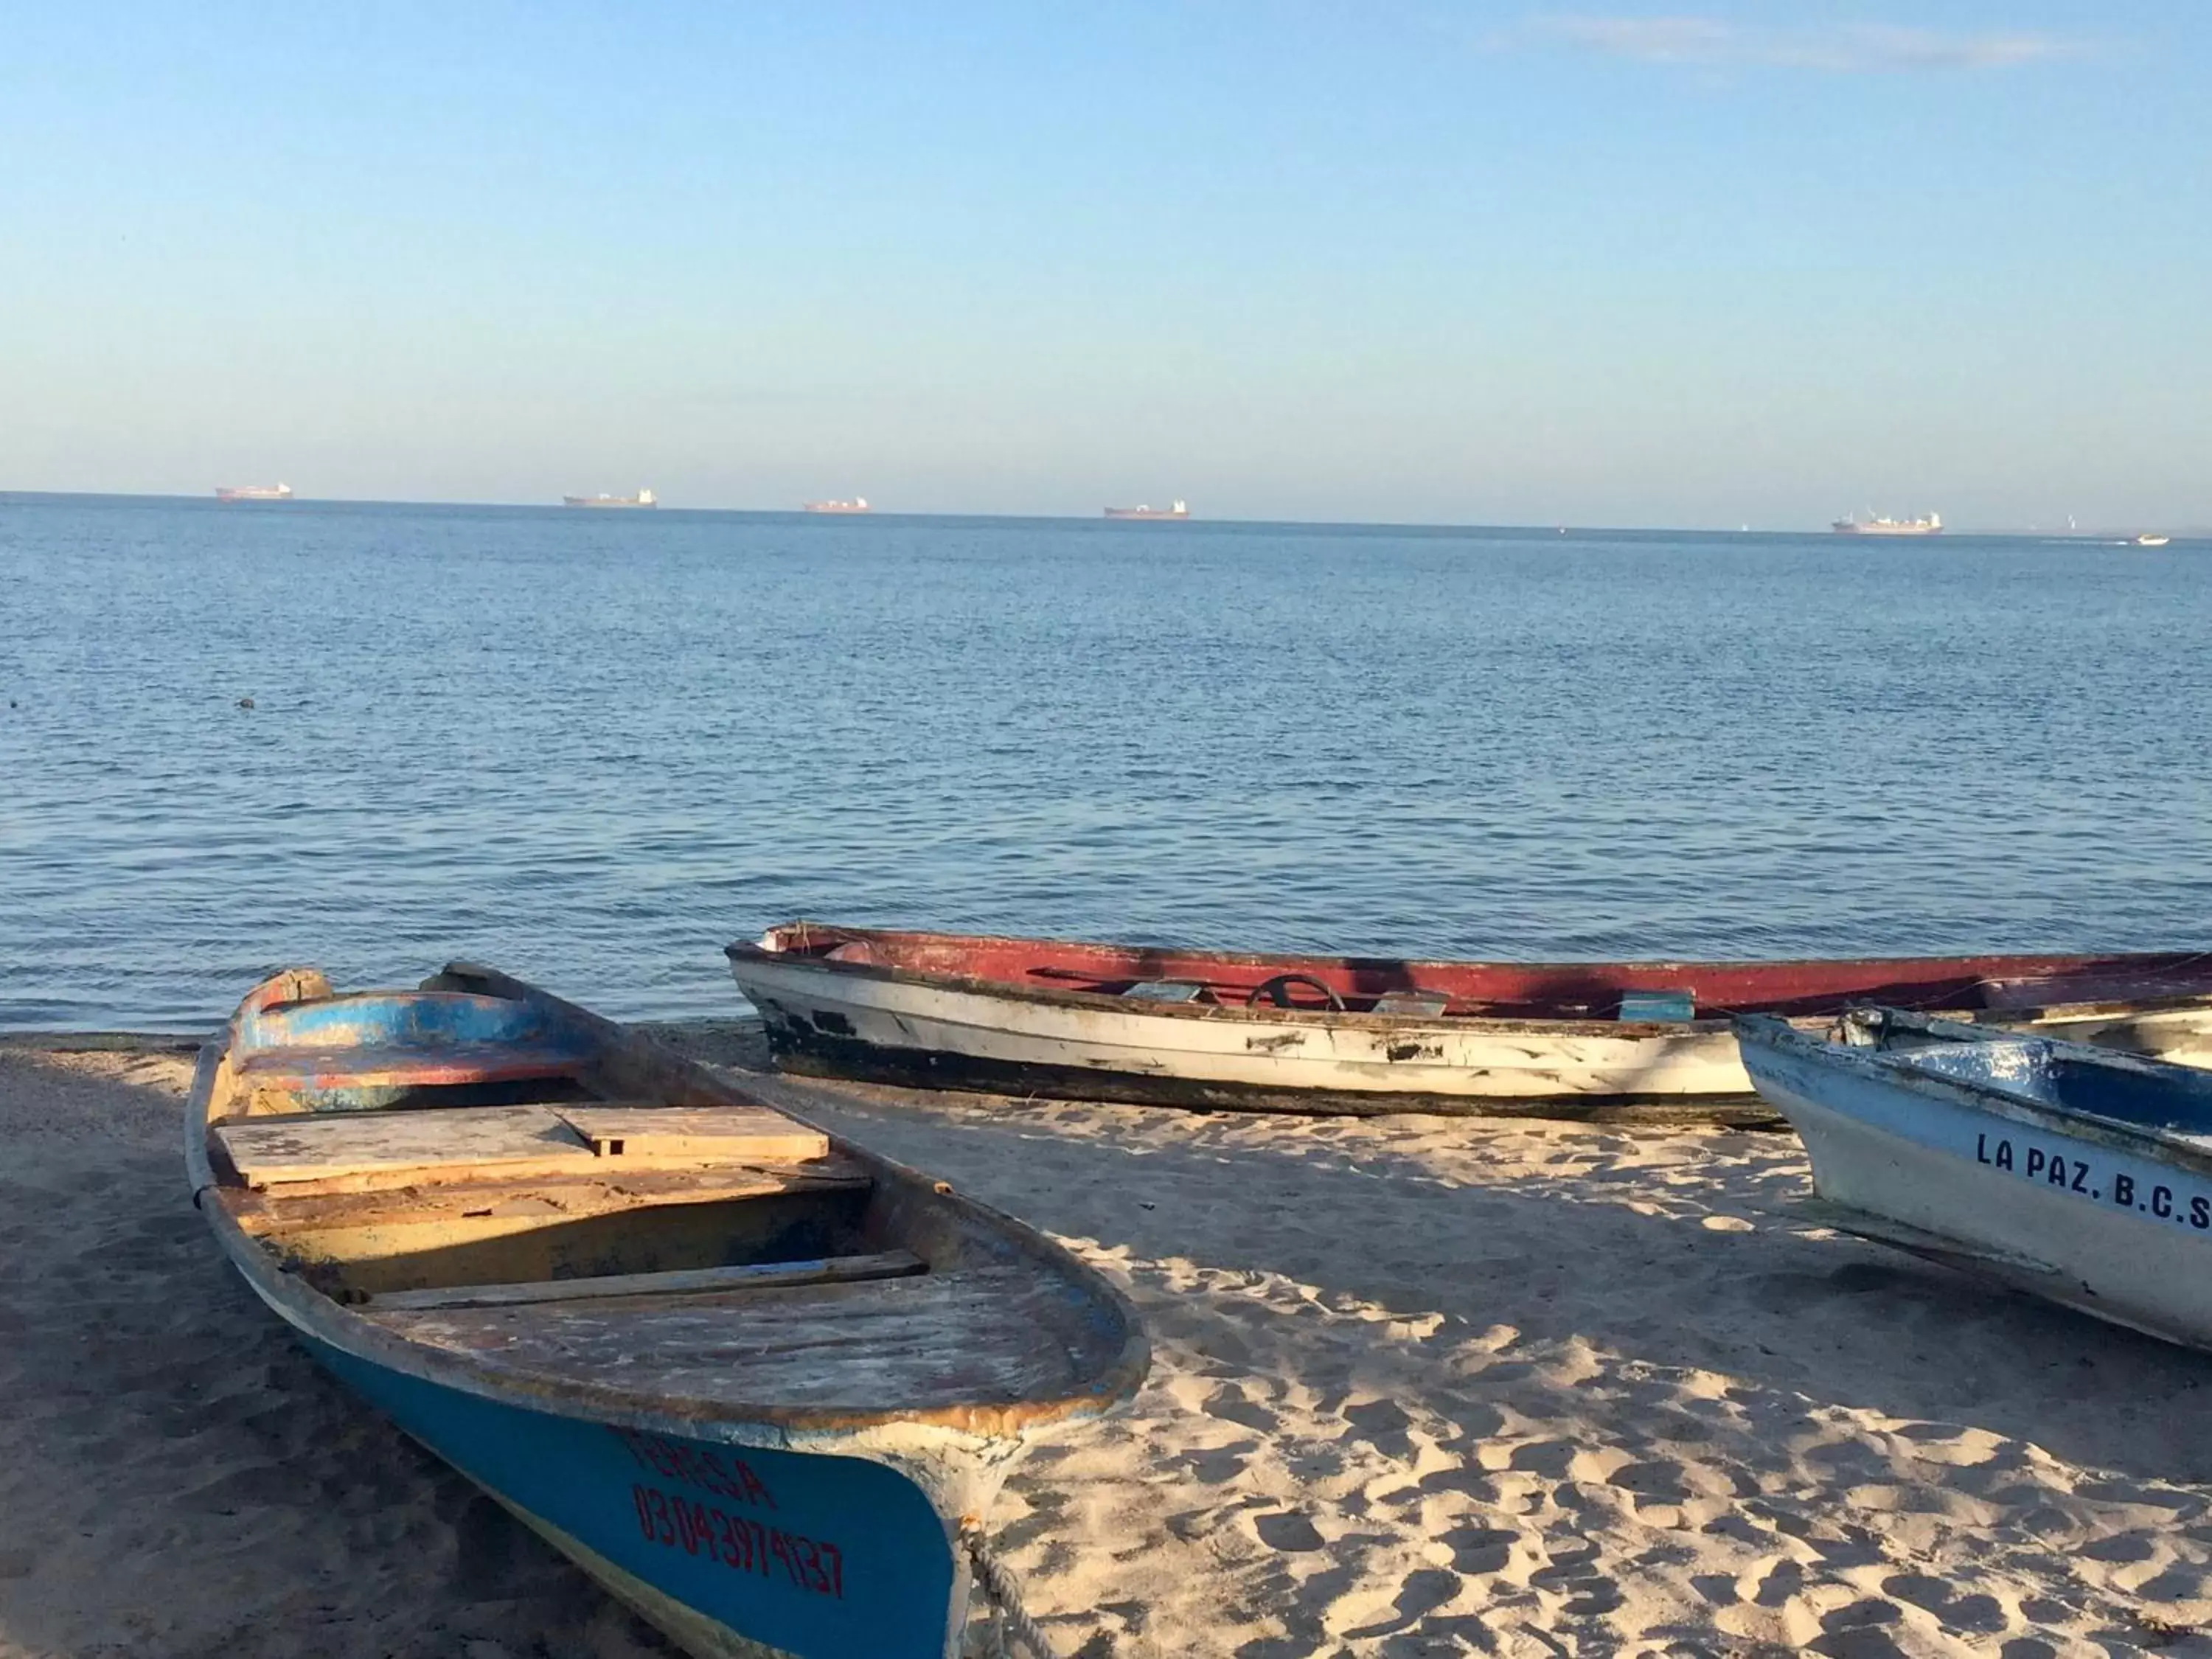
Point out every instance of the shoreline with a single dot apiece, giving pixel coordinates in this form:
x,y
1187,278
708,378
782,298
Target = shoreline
x,y
1421,1386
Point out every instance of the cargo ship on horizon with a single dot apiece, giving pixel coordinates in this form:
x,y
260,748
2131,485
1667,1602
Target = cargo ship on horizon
x,y
857,504
279,492
643,498
1178,511
1930,526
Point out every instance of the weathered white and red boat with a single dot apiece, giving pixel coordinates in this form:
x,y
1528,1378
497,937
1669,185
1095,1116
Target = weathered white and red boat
x,y
1626,1042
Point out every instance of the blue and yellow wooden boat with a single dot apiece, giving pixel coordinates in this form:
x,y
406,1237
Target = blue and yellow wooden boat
x,y
760,1383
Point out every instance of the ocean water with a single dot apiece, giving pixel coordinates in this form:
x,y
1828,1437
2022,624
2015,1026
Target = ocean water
x,y
593,747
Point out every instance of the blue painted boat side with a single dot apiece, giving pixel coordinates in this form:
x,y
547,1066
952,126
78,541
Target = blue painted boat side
x,y
368,1050
2067,1077
406,1019
816,1554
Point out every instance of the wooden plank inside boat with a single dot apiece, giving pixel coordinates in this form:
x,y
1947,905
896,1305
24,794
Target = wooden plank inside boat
x,y
940,1339
364,1150
593,1191
687,1136
750,1276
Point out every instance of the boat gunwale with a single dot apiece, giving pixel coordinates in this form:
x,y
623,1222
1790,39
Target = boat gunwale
x,y
743,952
351,1330
1766,1031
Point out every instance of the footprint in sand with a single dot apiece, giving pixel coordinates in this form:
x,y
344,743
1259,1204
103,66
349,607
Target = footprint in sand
x,y
1231,1405
1782,1580
1192,1525
1421,1591
1478,1550
1219,1467
1549,1458
1979,1614
1659,1482
1288,1531
1383,1424
2126,1548
1576,1570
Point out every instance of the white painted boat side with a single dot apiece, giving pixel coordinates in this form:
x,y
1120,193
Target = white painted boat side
x,y
1472,1059
1926,1157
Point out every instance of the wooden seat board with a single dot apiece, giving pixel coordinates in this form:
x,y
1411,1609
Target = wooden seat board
x,y
987,1335
362,1151
686,1136
682,1281
565,1195
371,1148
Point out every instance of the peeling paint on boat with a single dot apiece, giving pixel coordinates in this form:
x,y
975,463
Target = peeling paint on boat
x,y
856,1009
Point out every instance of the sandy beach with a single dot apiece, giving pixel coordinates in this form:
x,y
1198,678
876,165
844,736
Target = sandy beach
x,y
1421,1386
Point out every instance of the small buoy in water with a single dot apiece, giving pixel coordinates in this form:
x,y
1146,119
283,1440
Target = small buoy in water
x,y
245,702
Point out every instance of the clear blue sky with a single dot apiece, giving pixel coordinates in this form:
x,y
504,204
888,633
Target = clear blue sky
x,y
1599,264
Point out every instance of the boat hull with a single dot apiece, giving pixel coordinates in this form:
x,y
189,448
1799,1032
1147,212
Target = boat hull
x,y
2086,1220
827,1019
786,1465
928,1035
730,1549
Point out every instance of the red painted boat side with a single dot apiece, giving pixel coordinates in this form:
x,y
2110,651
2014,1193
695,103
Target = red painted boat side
x,y
1516,990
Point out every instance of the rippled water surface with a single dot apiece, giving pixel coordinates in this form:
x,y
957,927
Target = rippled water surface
x,y
593,747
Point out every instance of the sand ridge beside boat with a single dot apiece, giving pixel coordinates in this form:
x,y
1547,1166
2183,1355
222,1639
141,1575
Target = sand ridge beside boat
x,y
1419,1385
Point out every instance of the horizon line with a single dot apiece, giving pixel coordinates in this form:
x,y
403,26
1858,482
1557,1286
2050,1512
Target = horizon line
x,y
2190,532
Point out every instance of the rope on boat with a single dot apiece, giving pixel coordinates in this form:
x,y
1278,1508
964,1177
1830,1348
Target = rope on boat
x,y
1004,1595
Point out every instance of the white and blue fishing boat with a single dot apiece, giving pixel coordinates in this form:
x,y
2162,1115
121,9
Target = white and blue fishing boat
x,y
761,1384
2081,1174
